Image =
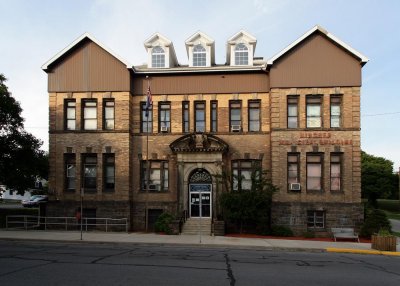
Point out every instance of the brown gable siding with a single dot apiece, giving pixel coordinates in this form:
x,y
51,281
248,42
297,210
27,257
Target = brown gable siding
x,y
88,67
201,84
317,62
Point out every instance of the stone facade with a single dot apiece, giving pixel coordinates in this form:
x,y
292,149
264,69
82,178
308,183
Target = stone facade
x,y
256,133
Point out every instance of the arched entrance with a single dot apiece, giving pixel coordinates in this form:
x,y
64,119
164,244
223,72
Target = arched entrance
x,y
200,193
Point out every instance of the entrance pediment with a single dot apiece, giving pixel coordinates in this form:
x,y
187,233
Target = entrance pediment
x,y
199,142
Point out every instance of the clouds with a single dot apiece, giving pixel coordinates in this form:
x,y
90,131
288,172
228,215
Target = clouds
x,y
34,31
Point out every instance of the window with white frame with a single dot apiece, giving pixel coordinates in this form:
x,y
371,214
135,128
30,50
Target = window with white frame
x,y
254,115
146,118
336,171
214,116
164,117
185,117
199,56
314,171
200,116
335,111
89,115
241,54
109,116
314,111
292,112
158,57
70,114
293,163
235,115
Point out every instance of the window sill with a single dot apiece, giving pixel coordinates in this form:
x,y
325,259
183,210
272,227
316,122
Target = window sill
x,y
315,192
341,192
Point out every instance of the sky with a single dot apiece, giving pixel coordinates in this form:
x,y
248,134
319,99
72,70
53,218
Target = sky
x,y
33,31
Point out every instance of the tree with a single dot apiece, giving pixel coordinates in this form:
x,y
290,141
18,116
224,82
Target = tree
x,y
21,160
377,178
250,207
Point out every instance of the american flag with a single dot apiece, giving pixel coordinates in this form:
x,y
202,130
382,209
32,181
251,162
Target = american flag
x,y
149,101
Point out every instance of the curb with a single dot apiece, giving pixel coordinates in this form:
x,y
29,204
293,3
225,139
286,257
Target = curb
x,y
362,251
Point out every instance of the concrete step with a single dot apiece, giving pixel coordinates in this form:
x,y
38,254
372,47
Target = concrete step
x,y
195,225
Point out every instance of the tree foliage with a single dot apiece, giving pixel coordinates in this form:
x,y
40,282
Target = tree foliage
x,y
250,207
21,160
377,178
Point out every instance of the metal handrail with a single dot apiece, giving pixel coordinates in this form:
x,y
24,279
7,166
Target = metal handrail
x,y
183,219
67,221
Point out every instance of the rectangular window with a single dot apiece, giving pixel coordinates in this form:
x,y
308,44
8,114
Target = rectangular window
x,y
293,163
157,177
89,172
254,116
335,111
200,116
314,114
70,172
213,116
185,117
109,114
336,172
70,114
146,118
89,115
109,172
164,117
235,116
293,112
244,172
314,171
316,219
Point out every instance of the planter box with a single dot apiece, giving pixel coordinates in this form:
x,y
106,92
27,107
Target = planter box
x,y
384,243
219,228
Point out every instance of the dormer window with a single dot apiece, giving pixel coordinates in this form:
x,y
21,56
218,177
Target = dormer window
x,y
240,49
160,52
200,50
158,57
199,56
241,55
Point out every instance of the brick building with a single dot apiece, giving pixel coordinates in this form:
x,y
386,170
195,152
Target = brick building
x,y
296,115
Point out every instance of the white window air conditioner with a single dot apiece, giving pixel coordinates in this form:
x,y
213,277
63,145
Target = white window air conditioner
x,y
235,128
294,187
164,129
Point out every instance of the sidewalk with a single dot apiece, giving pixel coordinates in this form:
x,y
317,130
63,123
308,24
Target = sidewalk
x,y
151,238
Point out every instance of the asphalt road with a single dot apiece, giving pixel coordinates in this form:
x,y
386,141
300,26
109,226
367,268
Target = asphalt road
x,y
39,263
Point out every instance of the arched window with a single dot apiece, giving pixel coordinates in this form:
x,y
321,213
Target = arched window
x,y
200,176
199,56
241,55
158,57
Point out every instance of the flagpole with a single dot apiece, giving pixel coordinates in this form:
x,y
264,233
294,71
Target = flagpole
x,y
147,155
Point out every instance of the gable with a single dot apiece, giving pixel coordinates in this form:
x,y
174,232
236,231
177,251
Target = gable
x,y
87,67
316,62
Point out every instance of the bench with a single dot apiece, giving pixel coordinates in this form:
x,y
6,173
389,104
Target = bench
x,y
344,232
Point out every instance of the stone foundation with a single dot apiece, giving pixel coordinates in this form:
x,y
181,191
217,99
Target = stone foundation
x,y
294,216
138,214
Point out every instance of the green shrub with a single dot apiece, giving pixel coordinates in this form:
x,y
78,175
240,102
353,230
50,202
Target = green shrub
x,y
375,221
389,205
280,230
309,234
163,223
